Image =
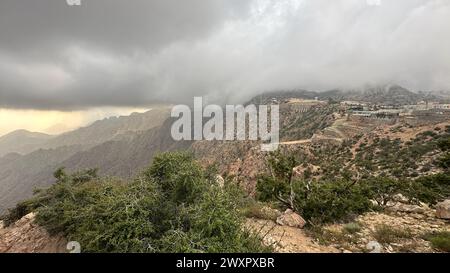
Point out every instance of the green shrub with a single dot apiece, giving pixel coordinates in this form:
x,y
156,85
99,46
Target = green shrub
x,y
260,211
19,211
179,177
327,237
268,188
329,201
352,228
383,189
444,144
172,207
317,202
444,161
385,234
430,189
440,240
275,185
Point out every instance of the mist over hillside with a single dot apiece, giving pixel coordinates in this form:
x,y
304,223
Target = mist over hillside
x,y
376,94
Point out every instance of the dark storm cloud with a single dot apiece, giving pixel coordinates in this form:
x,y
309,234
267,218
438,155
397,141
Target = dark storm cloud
x,y
56,56
131,53
111,24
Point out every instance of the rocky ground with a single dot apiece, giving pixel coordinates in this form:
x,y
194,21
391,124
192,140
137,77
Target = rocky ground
x,y
285,239
401,228
394,232
27,237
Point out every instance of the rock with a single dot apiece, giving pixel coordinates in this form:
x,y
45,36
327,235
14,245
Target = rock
x,y
389,248
291,219
1,225
443,210
400,198
418,216
270,212
374,247
26,237
399,207
396,245
220,181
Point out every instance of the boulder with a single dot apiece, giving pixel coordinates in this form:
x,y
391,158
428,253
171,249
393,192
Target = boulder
x,y
374,247
270,212
291,219
400,198
443,210
400,207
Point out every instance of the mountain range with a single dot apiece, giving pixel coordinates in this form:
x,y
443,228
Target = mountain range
x,y
379,94
117,146
123,146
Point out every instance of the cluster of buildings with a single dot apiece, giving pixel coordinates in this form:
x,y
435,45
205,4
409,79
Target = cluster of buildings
x,y
422,111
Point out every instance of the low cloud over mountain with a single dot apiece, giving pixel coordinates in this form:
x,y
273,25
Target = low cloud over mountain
x,y
132,53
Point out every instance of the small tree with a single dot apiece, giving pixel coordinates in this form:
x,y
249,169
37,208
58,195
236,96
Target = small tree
x,y
279,184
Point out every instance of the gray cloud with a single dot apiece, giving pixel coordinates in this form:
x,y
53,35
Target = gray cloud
x,y
131,53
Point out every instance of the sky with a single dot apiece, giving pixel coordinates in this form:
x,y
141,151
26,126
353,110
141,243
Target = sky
x,y
62,64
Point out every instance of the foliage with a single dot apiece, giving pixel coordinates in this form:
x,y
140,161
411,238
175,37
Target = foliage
x,y
444,144
444,161
171,207
352,228
16,213
385,234
326,236
278,182
329,201
260,211
179,177
42,197
340,197
440,240
317,202
383,189
431,189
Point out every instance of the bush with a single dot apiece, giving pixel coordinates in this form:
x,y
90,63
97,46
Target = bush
x,y
385,234
352,228
317,202
172,207
430,189
444,161
179,177
327,236
260,211
444,144
440,240
383,190
330,201
42,197
268,188
16,213
279,182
